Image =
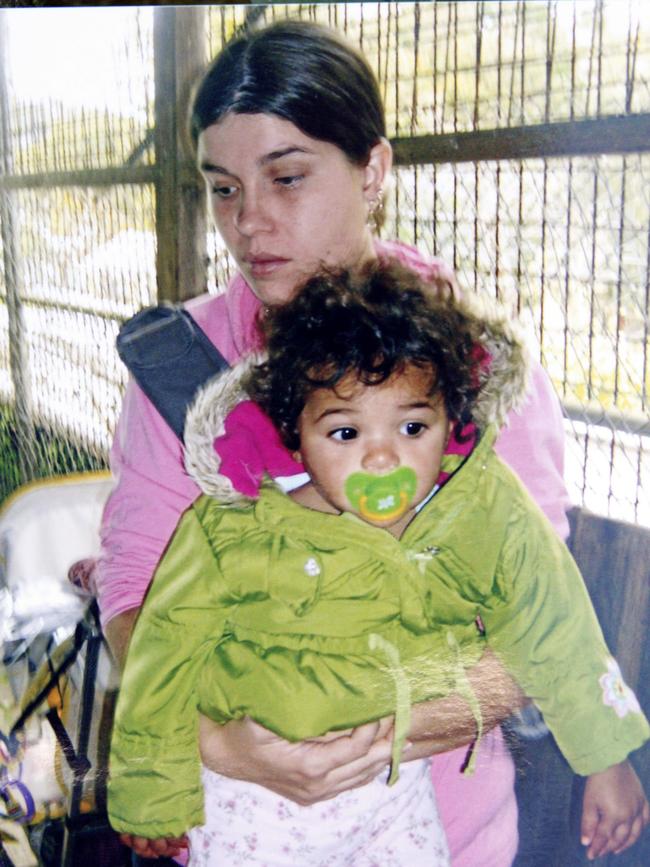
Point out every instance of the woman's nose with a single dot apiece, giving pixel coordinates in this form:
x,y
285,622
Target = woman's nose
x,y
252,215
380,458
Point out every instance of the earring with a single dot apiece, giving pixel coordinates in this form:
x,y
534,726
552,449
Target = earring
x,y
376,210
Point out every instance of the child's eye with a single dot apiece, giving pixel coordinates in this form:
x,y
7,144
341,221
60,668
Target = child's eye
x,y
343,434
412,428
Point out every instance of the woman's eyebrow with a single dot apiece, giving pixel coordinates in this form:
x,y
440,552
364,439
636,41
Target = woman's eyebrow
x,y
211,168
283,152
205,166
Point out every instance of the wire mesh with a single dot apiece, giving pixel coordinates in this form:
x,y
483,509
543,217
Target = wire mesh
x,y
564,240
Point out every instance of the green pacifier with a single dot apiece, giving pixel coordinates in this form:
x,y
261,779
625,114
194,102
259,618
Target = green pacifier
x,y
381,498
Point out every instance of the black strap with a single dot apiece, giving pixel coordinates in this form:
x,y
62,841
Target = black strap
x,y
170,357
81,634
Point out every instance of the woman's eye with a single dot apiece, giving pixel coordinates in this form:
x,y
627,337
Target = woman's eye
x,y
289,181
343,434
412,428
224,192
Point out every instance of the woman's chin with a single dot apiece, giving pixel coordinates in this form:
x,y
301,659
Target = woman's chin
x,y
273,290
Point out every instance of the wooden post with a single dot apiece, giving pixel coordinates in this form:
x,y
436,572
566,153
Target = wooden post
x,y
9,227
179,56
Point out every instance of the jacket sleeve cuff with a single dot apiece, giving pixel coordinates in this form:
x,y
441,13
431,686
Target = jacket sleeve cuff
x,y
154,789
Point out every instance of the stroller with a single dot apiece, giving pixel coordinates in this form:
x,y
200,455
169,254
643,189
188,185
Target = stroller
x,y
57,681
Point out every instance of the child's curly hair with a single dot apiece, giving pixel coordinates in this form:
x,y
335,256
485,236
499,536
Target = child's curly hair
x,y
371,324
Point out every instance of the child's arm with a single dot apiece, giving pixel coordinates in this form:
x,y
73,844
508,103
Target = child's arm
x,y
541,624
614,811
154,747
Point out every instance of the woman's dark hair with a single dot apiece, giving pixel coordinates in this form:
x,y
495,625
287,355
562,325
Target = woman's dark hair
x,y
300,72
371,325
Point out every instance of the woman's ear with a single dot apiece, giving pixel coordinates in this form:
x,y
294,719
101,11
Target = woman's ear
x,y
377,169
296,455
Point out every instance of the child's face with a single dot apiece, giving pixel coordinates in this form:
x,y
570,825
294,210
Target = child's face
x,y
357,438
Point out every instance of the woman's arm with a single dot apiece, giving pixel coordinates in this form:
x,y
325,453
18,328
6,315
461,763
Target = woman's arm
x,y
151,492
117,633
448,723
312,771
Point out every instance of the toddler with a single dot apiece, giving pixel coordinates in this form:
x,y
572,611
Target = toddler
x,y
375,585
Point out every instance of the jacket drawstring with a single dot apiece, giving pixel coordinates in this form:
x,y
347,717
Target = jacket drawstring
x,y
402,721
464,688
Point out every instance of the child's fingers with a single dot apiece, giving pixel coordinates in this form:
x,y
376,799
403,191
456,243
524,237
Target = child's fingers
x,y
645,813
630,838
636,828
164,846
595,833
598,843
621,837
588,824
154,848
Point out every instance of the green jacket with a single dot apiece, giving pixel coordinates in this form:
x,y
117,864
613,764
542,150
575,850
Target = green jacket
x,y
267,609
308,622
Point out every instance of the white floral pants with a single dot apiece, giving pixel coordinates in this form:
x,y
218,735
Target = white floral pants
x,y
375,826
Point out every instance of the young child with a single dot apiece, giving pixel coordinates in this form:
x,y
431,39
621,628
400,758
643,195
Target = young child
x,y
372,587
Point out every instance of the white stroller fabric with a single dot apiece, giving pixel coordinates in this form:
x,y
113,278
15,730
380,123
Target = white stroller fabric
x,y
44,528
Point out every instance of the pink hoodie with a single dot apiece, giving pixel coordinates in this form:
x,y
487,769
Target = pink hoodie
x,y
152,490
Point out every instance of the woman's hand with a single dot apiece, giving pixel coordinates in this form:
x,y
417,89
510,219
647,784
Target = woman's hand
x,y
305,772
321,768
614,811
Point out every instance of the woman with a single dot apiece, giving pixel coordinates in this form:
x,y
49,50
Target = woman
x,y
290,138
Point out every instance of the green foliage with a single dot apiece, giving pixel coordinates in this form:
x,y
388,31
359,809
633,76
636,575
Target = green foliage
x,y
49,454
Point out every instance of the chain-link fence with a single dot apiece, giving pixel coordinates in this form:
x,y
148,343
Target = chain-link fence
x,y
520,130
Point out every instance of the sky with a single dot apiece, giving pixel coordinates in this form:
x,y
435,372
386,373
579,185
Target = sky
x,y
77,55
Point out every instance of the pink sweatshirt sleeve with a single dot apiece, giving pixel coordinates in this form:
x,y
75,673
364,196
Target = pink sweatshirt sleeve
x,y
532,444
151,491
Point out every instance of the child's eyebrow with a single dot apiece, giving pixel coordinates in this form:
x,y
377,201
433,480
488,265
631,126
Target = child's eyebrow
x,y
336,410
418,404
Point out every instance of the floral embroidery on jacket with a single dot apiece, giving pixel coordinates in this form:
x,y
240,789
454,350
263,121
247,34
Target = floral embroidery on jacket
x,y
616,693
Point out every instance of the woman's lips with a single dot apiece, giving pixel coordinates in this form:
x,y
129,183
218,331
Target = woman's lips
x,y
264,265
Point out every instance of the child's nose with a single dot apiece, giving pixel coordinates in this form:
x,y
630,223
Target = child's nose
x,y
380,458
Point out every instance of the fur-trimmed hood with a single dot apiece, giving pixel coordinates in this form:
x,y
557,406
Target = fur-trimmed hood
x,y
503,391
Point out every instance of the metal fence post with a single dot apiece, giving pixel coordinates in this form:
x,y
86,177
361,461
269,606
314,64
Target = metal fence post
x,y
9,228
179,55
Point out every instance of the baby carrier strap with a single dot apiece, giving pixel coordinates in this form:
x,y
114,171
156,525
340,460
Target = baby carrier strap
x,y
170,357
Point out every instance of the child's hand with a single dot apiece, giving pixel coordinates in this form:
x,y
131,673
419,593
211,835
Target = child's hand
x,y
161,847
614,811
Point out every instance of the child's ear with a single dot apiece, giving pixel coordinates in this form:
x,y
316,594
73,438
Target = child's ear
x,y
450,427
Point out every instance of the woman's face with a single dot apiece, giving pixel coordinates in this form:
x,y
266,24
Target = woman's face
x,y
287,204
